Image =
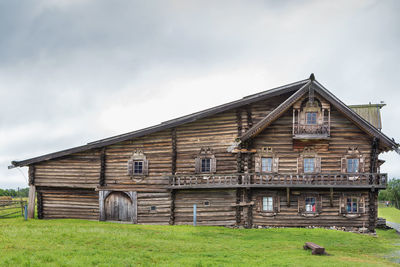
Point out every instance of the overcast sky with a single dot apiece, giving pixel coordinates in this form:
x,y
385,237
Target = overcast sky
x,y
73,71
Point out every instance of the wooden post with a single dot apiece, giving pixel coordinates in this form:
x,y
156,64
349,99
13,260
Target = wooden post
x,y
331,199
288,196
31,203
194,214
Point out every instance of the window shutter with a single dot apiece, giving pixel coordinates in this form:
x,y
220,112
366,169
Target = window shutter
x,y
342,204
301,202
317,164
319,203
197,165
145,167
361,207
344,165
130,167
300,165
257,165
361,164
277,204
213,165
259,203
276,165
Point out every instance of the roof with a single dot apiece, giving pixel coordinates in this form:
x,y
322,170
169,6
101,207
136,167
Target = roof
x,y
167,124
299,88
325,93
370,112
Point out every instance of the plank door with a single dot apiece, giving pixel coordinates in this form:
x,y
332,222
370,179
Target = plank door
x,y
118,207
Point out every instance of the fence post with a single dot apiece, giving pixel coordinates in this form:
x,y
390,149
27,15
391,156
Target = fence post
x,y
194,214
26,212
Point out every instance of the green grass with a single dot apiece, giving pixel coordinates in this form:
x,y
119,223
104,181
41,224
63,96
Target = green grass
x,y
88,243
391,214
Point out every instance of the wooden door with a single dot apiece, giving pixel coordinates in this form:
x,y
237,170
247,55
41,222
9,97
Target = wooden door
x,y
118,207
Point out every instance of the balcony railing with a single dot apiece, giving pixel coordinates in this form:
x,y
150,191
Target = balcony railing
x,y
343,180
318,130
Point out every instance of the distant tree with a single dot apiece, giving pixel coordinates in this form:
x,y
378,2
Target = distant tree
x,y
15,193
392,193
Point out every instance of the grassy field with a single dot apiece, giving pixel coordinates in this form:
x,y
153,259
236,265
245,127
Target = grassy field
x,y
391,214
89,243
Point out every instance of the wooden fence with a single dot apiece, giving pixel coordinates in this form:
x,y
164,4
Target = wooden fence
x,y
12,208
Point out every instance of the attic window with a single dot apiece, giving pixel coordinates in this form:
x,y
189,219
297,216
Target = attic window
x,y
138,167
311,118
205,165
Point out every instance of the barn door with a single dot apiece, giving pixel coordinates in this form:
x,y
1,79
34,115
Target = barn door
x,y
119,206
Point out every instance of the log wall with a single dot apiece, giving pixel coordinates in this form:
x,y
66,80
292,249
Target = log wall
x,y
57,203
221,209
290,217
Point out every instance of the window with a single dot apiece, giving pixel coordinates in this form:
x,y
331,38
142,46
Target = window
x,y
352,165
268,204
310,204
206,203
352,205
138,167
205,165
311,117
266,164
309,164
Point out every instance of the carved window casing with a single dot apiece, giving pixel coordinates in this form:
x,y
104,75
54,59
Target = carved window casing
x,y
268,204
309,204
306,158
206,161
353,161
138,164
311,116
266,161
352,205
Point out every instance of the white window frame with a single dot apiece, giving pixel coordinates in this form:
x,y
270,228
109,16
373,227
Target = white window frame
x,y
268,204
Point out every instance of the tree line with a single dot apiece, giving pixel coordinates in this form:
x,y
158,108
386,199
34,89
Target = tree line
x,y
391,193
15,193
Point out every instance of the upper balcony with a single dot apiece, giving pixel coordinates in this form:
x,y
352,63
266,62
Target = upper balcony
x,y
276,180
305,131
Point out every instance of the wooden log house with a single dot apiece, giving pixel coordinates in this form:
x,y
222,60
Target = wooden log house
x,y
292,156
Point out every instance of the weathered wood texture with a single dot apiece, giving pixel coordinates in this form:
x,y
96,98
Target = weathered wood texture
x,y
69,203
79,170
118,207
344,134
31,201
328,215
214,207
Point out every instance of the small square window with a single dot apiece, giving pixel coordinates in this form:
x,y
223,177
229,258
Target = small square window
x,y
311,117
310,204
309,164
268,204
153,208
266,164
205,165
352,205
138,167
207,203
352,165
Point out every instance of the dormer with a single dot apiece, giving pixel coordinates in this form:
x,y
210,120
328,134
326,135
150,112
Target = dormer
x,y
311,118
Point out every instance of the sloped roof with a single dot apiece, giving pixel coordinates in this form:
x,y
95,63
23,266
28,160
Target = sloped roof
x,y
325,93
299,88
292,87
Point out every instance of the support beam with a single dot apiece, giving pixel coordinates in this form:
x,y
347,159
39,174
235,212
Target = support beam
x,y
172,216
102,176
31,202
331,197
288,196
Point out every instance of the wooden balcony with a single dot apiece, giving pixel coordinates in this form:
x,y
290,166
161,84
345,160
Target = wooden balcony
x,y
306,131
250,180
